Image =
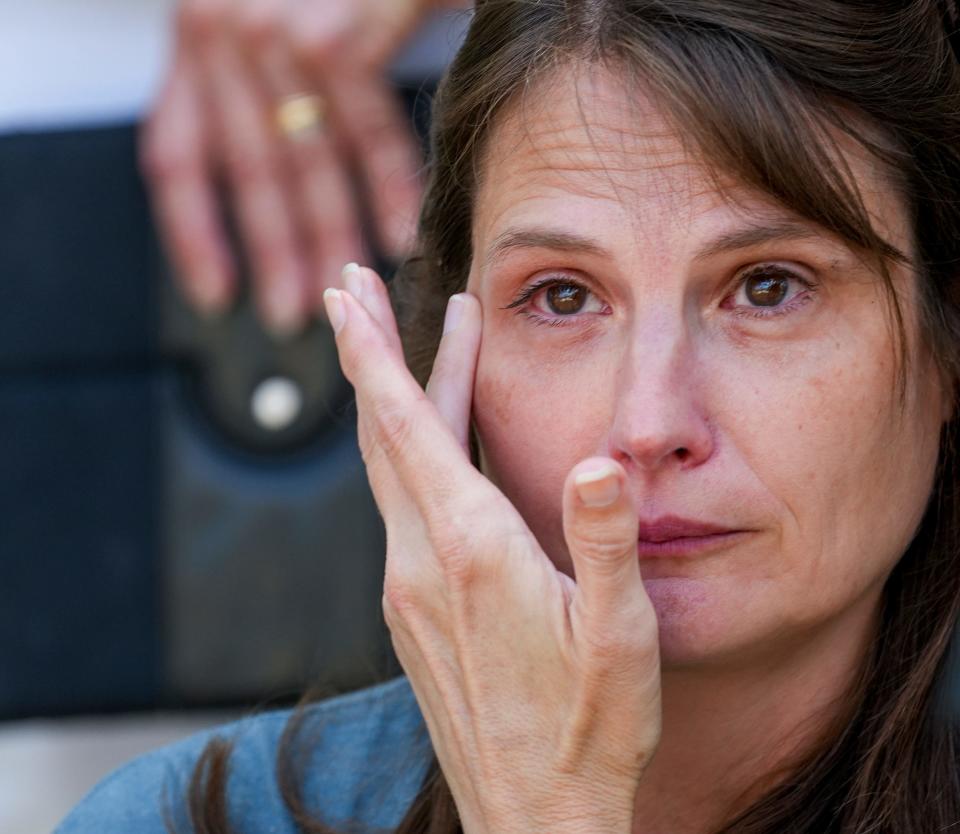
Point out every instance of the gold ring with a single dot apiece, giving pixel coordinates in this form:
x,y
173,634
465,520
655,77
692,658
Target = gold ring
x,y
300,115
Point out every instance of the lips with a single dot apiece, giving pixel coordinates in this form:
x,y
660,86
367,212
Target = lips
x,y
676,536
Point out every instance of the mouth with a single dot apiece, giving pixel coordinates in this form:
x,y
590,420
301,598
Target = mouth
x,y
675,536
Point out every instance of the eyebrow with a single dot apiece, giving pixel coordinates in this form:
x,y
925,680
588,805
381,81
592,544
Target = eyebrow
x,y
546,238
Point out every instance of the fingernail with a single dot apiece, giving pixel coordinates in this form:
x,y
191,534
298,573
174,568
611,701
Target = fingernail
x,y
353,280
453,315
336,312
599,487
283,309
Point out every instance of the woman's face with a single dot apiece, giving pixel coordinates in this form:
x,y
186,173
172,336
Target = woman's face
x,y
738,361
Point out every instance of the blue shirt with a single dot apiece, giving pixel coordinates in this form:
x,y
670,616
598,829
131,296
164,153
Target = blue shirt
x,y
368,754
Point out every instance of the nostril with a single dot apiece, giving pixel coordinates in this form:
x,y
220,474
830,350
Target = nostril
x,y
682,454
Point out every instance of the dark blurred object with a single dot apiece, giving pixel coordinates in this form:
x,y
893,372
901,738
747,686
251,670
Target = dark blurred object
x,y
79,428
274,549
184,516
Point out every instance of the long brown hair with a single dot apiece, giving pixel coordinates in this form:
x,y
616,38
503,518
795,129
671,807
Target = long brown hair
x,y
757,87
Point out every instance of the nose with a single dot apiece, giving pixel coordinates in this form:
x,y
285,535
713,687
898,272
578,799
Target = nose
x,y
660,419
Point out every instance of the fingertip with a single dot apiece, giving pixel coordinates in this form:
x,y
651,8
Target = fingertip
x,y
460,307
353,280
284,307
334,304
358,282
598,482
210,292
455,311
593,467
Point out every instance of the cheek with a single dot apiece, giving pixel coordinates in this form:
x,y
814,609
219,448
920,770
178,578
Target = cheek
x,y
849,472
533,426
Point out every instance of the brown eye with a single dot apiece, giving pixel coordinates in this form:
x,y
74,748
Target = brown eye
x,y
767,288
565,299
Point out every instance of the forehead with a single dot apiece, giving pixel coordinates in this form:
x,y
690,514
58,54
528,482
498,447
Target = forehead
x,y
583,144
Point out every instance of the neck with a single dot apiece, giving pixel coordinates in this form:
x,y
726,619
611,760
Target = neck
x,y
728,732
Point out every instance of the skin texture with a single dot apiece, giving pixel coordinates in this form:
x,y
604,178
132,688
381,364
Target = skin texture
x,y
568,685
519,672
787,427
790,423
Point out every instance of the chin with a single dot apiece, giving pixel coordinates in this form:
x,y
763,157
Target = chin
x,y
693,627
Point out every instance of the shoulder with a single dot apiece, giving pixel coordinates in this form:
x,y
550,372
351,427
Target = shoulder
x,y
363,755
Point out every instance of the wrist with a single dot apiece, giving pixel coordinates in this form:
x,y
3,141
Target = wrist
x,y
566,819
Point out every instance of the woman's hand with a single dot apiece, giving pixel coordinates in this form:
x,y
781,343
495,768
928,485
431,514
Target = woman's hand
x,y
217,122
541,694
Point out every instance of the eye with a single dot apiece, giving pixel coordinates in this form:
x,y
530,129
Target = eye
x,y
565,299
770,289
553,299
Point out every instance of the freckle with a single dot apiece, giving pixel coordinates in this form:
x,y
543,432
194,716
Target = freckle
x,y
498,396
503,403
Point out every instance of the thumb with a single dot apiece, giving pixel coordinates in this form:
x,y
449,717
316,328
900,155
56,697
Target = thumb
x,y
600,528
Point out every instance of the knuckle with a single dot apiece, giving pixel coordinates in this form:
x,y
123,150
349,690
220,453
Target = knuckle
x,y
390,137
602,537
392,427
399,602
600,549
259,25
337,236
166,160
365,437
321,41
456,558
612,648
625,644
202,19
380,138
249,164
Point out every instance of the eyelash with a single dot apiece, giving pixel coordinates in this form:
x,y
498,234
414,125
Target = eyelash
x,y
519,304
800,299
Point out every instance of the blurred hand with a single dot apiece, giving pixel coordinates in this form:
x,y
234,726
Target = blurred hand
x,y
215,129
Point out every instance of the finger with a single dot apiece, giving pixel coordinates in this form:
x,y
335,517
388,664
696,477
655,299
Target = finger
x,y
368,288
173,157
327,214
601,528
450,387
407,434
344,49
381,139
330,211
263,200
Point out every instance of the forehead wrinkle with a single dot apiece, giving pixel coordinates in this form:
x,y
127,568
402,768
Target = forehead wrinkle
x,y
606,146
654,151
616,129
562,171
617,146
591,158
